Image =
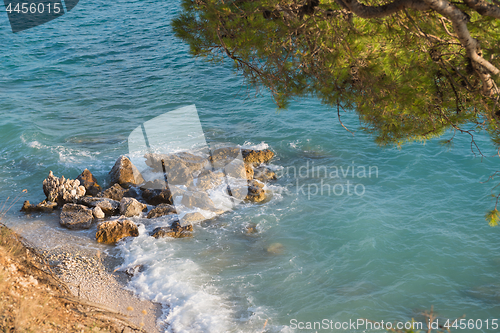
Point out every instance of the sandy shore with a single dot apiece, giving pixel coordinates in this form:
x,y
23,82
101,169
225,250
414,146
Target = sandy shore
x,y
80,263
88,278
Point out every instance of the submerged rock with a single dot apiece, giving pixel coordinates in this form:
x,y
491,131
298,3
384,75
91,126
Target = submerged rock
x,y
275,248
125,173
62,190
131,207
175,231
110,232
161,210
88,181
108,206
257,157
74,216
43,207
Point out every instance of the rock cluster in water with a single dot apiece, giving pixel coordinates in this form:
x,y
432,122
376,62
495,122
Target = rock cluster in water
x,y
183,175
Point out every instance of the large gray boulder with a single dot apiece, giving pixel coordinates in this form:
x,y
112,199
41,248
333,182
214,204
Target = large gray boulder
x,y
74,216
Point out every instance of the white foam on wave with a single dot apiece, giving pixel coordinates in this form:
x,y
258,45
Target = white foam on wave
x,y
190,302
250,145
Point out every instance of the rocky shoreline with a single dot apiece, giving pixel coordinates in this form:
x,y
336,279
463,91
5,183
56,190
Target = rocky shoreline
x,y
176,188
187,180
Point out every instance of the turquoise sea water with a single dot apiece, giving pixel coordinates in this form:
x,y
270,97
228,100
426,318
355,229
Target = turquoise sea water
x,y
412,236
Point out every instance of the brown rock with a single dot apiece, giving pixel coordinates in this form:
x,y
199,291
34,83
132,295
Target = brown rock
x,y
62,190
131,207
208,180
157,196
175,230
167,163
115,192
257,157
223,156
110,232
125,173
98,213
161,210
264,174
197,199
43,207
239,169
88,181
255,194
74,216
193,217
108,206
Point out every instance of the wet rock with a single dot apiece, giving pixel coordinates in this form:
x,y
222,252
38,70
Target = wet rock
x,y
168,163
115,192
98,213
251,229
257,157
256,183
193,217
110,232
131,207
175,231
108,206
131,271
62,190
239,169
264,174
209,179
155,193
88,181
197,199
125,173
255,194
43,207
238,192
161,210
74,216
223,156
179,171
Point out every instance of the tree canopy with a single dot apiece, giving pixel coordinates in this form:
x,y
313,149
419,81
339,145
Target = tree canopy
x,y
411,69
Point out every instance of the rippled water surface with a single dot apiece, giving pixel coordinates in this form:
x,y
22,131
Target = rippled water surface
x,y
409,234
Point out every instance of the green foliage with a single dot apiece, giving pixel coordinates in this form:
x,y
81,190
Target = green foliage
x,y
404,75
492,217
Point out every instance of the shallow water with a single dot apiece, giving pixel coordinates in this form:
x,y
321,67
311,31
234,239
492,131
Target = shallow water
x,y
408,235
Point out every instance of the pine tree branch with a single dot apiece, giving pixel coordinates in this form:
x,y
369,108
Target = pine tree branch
x,y
459,20
364,11
484,8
